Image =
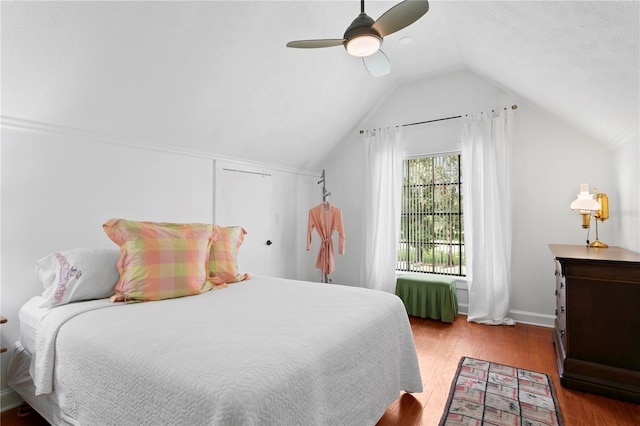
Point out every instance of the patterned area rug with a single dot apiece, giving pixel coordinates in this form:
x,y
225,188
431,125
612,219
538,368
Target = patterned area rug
x,y
486,393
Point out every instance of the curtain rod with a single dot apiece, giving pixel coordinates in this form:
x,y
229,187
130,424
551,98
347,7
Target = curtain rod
x,y
513,107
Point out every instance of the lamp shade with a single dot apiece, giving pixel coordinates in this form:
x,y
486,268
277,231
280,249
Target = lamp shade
x,y
363,45
585,202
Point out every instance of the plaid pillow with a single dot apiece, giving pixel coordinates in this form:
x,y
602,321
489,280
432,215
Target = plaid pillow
x,y
223,264
160,260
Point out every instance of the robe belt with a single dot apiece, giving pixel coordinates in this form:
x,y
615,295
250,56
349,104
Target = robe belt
x,y
323,260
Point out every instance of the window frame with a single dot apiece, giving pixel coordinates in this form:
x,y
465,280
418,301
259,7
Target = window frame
x,y
452,246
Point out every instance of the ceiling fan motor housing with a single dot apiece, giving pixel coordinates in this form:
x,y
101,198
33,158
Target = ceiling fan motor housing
x,y
361,26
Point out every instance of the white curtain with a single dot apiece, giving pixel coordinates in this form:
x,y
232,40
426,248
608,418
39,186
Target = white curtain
x,y
486,172
381,209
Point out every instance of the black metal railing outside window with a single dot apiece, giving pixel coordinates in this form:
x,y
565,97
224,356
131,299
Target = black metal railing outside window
x,y
432,226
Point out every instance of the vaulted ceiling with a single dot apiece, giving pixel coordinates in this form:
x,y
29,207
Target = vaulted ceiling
x,y
215,77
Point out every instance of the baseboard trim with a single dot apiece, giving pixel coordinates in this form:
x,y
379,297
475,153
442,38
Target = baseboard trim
x,y
523,317
9,399
533,318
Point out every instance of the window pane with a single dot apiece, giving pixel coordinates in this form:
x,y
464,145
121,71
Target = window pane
x,y
432,234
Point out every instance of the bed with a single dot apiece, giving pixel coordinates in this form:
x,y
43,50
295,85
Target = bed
x,y
264,351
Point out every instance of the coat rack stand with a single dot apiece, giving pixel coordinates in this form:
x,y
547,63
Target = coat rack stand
x,y
322,181
325,194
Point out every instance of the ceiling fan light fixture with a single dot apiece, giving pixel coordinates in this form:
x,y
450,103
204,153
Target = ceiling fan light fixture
x,y
363,45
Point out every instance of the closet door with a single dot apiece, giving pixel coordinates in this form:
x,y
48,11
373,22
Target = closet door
x,y
243,197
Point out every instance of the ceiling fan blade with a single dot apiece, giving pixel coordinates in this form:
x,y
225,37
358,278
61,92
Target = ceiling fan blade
x,y
312,44
377,64
400,16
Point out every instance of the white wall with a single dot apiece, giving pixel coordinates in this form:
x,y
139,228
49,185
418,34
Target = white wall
x,y
624,199
59,186
551,159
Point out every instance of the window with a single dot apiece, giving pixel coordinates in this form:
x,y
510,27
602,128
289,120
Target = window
x,y
432,232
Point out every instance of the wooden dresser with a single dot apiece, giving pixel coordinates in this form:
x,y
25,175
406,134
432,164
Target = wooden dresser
x,y
597,327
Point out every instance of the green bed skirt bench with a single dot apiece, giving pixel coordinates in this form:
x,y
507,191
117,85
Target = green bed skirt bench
x,y
428,295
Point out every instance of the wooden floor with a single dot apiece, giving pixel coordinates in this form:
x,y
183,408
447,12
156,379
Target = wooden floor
x,y
440,346
23,416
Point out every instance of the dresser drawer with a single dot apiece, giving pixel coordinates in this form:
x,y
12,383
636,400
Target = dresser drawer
x,y
561,320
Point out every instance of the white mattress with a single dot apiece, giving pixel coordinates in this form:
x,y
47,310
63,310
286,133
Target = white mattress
x,y
264,351
30,315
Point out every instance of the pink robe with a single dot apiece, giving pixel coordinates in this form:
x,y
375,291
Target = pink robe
x,y
326,218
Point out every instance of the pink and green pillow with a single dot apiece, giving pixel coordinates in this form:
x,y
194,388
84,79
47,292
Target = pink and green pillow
x,y
161,260
223,262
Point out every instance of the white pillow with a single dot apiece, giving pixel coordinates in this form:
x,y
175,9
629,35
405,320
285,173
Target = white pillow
x,y
78,274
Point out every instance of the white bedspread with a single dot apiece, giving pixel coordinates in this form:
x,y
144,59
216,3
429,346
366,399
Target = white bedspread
x,y
266,351
42,361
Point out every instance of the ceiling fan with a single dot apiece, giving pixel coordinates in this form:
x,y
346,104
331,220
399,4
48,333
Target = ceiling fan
x,y
364,36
